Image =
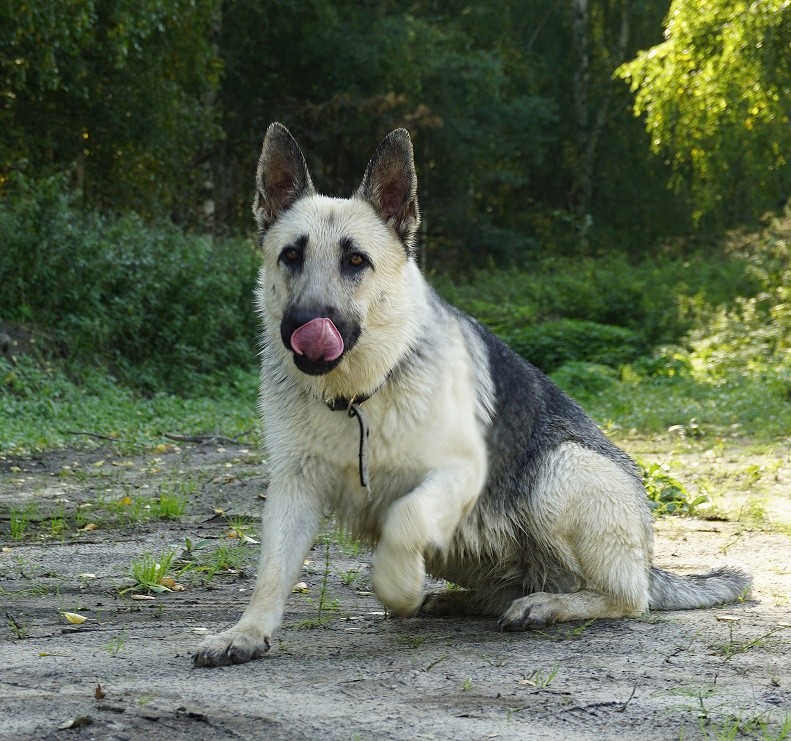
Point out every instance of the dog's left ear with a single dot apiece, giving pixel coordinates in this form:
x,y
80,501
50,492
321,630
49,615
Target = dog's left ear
x,y
282,176
390,186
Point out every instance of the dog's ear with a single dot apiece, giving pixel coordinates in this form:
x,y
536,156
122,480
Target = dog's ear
x,y
390,186
281,178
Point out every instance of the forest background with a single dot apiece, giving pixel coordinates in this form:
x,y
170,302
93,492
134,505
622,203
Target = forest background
x,y
603,182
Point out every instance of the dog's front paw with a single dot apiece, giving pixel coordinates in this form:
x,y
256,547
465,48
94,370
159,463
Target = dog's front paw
x,y
534,611
397,579
234,646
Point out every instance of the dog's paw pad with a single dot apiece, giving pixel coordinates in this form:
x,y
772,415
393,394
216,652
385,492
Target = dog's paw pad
x,y
231,647
529,613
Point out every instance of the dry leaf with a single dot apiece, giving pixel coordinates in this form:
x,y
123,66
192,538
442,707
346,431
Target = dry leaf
x,y
124,464
99,464
74,618
170,583
247,539
99,692
200,631
143,597
86,576
300,587
90,527
727,618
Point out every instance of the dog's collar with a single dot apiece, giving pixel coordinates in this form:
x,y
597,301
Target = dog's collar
x,y
342,404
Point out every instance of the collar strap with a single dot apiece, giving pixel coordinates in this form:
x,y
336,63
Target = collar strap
x,y
352,408
342,404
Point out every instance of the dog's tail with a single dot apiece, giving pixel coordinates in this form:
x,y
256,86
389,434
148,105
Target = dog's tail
x,y
720,585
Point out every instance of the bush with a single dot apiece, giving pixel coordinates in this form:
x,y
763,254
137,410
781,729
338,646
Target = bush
x,y
551,344
162,307
584,379
660,298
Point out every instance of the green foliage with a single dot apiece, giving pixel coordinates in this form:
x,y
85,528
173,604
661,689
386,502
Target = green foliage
x,y
660,298
667,495
41,405
581,379
551,344
149,570
118,93
161,306
715,97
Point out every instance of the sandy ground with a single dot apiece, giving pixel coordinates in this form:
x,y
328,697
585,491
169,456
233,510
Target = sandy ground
x,y
341,668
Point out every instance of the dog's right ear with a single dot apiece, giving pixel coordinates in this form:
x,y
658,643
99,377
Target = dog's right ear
x,y
281,178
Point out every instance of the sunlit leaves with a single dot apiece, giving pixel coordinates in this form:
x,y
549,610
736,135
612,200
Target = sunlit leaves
x,y
715,99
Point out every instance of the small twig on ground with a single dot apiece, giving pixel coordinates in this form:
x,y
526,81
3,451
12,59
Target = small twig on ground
x,y
91,434
626,704
207,439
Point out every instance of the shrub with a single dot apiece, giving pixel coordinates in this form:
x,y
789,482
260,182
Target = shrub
x,y
582,379
161,306
551,344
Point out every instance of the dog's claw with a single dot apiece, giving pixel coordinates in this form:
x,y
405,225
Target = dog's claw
x,y
230,647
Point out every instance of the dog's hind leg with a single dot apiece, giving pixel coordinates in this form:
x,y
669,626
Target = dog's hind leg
x,y
596,527
292,516
423,521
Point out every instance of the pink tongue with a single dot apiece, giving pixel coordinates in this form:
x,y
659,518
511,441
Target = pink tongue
x,y
319,339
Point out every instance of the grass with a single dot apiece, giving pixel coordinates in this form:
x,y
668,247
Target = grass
x,y
19,521
149,571
116,644
733,646
43,407
541,678
325,606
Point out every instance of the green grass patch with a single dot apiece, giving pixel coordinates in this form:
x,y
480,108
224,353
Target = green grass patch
x,y
44,407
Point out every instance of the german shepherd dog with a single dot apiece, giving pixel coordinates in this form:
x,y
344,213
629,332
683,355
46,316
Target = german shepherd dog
x,y
425,434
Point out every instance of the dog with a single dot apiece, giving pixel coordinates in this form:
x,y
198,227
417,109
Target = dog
x,y
425,434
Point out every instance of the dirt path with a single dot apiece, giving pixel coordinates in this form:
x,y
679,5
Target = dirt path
x,y
340,668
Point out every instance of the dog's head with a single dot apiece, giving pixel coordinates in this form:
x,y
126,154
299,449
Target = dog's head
x,y
338,273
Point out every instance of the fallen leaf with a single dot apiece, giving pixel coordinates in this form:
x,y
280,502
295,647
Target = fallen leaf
x,y
300,587
170,583
124,464
86,576
248,539
99,692
143,597
90,527
728,618
74,618
200,631
99,464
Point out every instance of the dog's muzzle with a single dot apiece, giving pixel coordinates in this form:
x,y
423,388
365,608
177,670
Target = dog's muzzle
x,y
317,338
